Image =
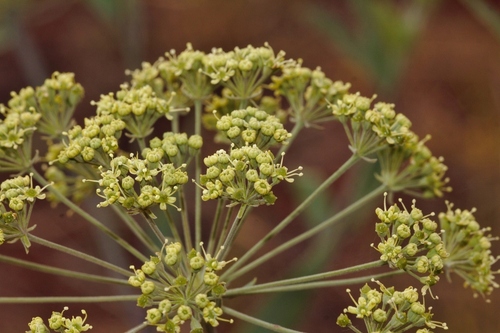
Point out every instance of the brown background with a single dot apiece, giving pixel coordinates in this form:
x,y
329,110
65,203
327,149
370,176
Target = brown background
x,y
447,85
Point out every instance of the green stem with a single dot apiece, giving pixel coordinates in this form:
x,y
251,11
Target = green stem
x,y
225,227
67,299
60,271
198,109
78,254
309,233
175,122
185,219
314,285
138,328
172,226
152,224
348,164
257,322
305,279
92,220
235,227
215,226
135,228
299,125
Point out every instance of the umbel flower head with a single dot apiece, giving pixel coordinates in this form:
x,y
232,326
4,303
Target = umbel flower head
x,y
469,247
93,143
389,311
17,197
413,168
138,108
410,241
138,184
246,175
251,126
180,287
370,128
307,91
244,70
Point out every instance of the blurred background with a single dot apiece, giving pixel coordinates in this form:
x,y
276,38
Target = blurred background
x,y
438,61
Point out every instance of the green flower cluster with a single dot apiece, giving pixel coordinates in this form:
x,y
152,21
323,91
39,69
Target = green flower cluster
x,y
307,92
194,75
56,101
175,148
389,311
59,323
244,70
17,125
469,247
138,184
251,126
94,143
138,108
246,175
370,129
411,241
17,196
413,169
48,109
180,287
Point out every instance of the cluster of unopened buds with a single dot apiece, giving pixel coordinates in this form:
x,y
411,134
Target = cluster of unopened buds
x,y
389,310
411,241
179,286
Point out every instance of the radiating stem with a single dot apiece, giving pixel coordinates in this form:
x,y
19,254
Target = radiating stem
x,y
67,299
138,328
152,224
307,234
78,254
198,109
257,322
135,228
185,219
305,279
60,271
225,227
92,220
348,164
235,227
313,285
299,125
215,226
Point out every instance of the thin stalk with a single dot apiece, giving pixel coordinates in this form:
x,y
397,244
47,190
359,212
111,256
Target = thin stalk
x,y
135,228
309,233
67,299
225,227
60,271
307,278
315,285
172,226
92,220
299,125
175,122
287,220
78,254
198,109
138,328
215,226
235,227
152,224
257,322
185,219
